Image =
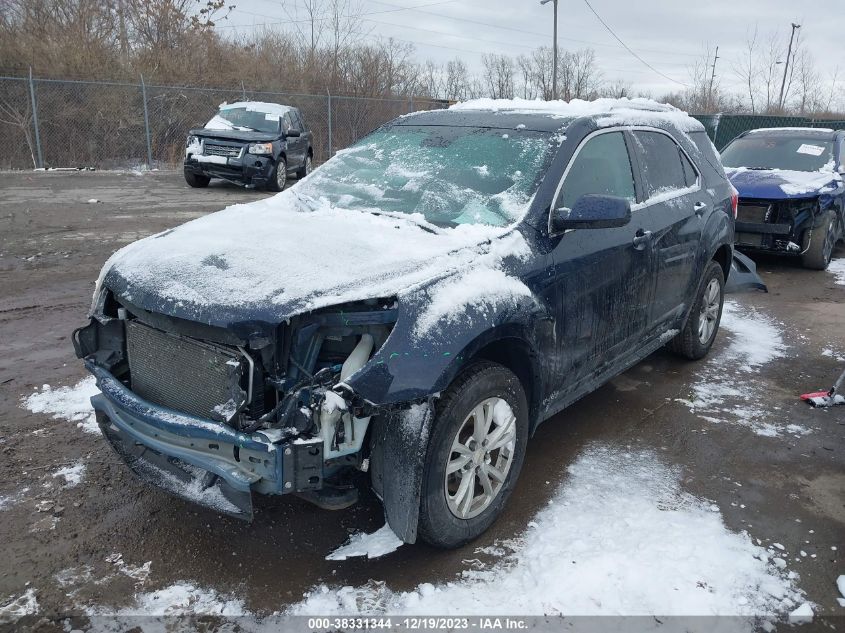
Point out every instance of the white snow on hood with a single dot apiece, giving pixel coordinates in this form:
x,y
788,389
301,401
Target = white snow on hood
x,y
623,111
797,183
294,252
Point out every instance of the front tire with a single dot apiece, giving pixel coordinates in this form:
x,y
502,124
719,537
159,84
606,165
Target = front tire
x,y
696,339
197,181
475,455
819,243
279,176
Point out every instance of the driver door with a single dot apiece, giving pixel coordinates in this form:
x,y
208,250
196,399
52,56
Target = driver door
x,y
601,279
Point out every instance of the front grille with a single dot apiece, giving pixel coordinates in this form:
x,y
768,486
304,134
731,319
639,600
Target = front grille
x,y
755,213
183,374
214,149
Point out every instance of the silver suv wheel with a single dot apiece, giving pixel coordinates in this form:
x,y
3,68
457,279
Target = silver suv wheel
x,y
481,456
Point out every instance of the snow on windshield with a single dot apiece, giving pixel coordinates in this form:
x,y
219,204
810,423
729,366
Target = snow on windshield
x,y
248,115
448,175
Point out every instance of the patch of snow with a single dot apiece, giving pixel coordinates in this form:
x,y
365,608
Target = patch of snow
x,y
831,353
840,581
484,289
728,388
69,403
181,598
621,537
804,613
380,543
837,269
13,608
7,501
72,474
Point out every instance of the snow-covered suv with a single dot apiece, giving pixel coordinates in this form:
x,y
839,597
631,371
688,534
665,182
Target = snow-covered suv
x,y
413,309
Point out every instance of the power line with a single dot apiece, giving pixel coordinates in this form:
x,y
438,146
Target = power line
x,y
627,48
516,30
322,19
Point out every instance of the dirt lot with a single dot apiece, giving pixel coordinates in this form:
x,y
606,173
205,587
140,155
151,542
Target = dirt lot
x,y
772,465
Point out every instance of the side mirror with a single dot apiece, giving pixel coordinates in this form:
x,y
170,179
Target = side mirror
x,y
293,133
592,211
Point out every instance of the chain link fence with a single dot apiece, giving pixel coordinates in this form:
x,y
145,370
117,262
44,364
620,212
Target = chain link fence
x,y
723,128
110,125
107,125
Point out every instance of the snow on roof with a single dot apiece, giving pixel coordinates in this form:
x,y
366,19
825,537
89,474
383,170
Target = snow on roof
x,y
791,129
258,106
623,111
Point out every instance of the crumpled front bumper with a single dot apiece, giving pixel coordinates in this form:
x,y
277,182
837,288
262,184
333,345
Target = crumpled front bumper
x,y
203,461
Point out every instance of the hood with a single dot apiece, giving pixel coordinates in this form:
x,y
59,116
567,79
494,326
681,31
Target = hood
x,y
781,184
235,135
275,258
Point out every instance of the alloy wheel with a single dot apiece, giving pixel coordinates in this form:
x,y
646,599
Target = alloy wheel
x,y
709,311
480,458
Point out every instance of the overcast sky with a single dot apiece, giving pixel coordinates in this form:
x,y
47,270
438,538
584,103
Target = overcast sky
x,y
668,34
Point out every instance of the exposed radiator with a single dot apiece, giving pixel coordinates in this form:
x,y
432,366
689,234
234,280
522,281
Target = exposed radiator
x,y
183,374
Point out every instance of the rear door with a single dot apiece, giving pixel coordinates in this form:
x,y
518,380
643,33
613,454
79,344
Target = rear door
x,y
297,145
601,279
673,211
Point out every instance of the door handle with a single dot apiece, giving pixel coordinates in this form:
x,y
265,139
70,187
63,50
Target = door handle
x,y
699,208
641,238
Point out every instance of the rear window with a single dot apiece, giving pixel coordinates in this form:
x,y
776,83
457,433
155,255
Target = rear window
x,y
779,151
661,163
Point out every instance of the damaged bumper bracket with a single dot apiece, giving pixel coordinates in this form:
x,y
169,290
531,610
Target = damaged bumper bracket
x,y
203,461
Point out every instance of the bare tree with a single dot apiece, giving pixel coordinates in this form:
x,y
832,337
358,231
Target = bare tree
x,y
499,75
457,80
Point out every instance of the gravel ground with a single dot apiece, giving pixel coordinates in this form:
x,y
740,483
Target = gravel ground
x,y
770,464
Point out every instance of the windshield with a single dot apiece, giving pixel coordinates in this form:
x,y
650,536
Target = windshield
x,y
450,175
245,118
798,153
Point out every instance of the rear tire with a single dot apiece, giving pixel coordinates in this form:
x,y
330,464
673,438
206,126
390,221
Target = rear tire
x,y
279,176
467,480
196,180
306,167
696,339
819,242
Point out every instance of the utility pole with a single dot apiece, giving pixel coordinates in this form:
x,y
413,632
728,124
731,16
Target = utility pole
x,y
795,27
712,77
554,46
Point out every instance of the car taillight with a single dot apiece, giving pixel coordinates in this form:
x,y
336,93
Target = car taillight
x,y
734,201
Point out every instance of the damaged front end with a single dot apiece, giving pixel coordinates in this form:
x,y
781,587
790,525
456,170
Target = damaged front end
x,y
776,226
213,414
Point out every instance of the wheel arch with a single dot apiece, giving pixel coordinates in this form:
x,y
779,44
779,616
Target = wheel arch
x,y
723,256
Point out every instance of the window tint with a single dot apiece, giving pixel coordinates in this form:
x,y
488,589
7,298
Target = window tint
x,y
690,176
602,166
661,162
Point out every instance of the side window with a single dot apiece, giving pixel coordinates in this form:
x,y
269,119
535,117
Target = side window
x,y
287,122
603,167
661,162
690,177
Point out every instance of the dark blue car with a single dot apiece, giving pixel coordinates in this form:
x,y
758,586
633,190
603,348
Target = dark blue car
x,y
791,191
412,310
